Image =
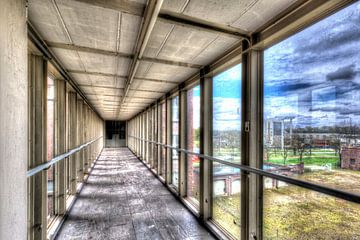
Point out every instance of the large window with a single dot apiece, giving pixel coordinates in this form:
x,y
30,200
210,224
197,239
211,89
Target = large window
x,y
175,140
227,146
50,148
163,140
193,144
312,129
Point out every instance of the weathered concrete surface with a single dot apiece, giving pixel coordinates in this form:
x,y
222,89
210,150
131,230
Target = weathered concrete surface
x,y
13,119
123,200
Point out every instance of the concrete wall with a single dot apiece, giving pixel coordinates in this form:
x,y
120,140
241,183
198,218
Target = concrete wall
x,y
13,119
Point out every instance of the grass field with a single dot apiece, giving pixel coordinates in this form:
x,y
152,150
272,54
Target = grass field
x,y
293,213
318,157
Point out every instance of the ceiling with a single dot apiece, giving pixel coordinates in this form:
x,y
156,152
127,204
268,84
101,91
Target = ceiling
x,y
98,41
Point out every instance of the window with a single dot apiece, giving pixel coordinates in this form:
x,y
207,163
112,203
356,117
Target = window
x,y
227,146
50,148
175,140
311,89
163,140
193,144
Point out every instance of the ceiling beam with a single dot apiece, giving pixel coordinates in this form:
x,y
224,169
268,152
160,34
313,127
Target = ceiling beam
x,y
130,7
151,12
118,54
156,80
87,49
98,86
95,73
195,23
119,76
170,62
102,95
145,90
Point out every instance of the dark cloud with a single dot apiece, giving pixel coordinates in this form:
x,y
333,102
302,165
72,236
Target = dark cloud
x,y
329,42
343,73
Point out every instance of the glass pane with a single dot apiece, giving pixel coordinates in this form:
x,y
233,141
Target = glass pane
x,y
193,144
175,140
150,121
291,212
227,146
50,147
163,139
312,102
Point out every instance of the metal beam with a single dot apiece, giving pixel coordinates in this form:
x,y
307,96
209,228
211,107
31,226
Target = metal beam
x,y
145,90
155,80
98,86
195,23
125,6
87,49
119,76
151,12
95,73
170,62
118,54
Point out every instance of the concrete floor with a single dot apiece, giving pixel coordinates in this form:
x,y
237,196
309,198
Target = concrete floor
x,y
123,200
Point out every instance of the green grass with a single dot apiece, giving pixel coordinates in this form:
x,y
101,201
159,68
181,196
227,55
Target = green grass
x,y
318,157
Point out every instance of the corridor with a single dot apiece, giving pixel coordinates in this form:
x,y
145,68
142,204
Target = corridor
x,y
122,199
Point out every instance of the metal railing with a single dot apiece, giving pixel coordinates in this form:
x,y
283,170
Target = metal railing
x,y
58,158
352,197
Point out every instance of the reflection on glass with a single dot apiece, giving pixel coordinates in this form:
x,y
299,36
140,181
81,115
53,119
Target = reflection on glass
x,y
227,146
311,115
193,144
296,213
50,147
175,139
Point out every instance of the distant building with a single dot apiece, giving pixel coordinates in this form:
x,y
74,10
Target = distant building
x,y
350,158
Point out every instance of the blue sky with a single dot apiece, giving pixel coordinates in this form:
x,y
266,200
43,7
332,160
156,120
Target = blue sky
x,y
227,99
314,75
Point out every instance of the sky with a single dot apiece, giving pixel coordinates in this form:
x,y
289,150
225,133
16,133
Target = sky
x,y
313,76
227,100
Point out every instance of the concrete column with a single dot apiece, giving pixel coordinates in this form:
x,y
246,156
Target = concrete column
x,y
13,119
60,139
182,143
205,146
85,135
72,139
168,165
37,200
80,154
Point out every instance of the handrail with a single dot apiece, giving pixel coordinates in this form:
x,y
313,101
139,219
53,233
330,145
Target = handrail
x,y
352,197
58,158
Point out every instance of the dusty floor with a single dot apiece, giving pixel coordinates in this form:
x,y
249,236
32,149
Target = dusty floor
x,y
123,200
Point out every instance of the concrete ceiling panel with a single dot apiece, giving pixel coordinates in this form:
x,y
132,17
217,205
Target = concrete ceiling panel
x,y
218,11
43,16
169,72
68,58
82,79
108,81
153,86
98,63
260,13
185,44
130,25
175,6
135,93
216,49
157,38
89,25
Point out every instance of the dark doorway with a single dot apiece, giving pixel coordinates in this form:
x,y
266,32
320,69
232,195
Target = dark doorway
x,y
115,134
